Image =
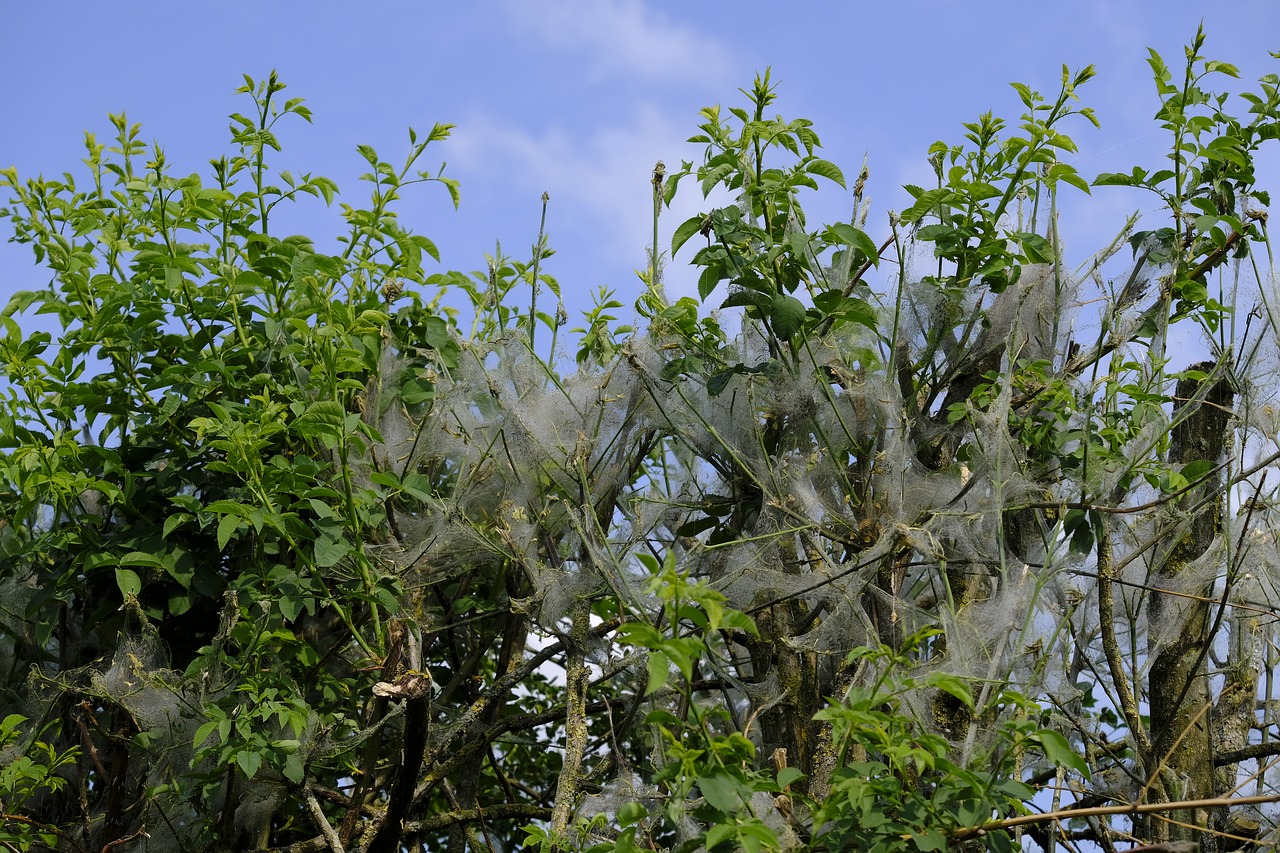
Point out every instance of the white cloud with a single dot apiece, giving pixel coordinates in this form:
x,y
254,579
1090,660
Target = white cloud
x,y
601,179
622,38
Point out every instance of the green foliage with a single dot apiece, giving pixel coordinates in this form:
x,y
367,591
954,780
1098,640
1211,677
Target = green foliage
x,y
190,440
977,185
34,770
898,788
701,753
296,557
762,247
599,341
1209,184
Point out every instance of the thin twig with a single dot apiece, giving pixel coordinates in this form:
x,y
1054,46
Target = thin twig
x,y
537,259
1128,809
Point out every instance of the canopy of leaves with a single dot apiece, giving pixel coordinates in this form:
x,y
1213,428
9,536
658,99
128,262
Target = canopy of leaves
x,y
299,555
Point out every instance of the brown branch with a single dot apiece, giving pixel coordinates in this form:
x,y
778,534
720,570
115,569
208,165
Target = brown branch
x,y
417,716
524,722
1213,258
1128,809
311,845
575,745
141,833
1106,622
1239,604
1158,502
499,688
89,747
332,795
5,817
466,752
322,823
439,767
1244,753
503,811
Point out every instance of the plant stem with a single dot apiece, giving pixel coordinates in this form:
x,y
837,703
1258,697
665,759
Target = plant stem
x,y
537,259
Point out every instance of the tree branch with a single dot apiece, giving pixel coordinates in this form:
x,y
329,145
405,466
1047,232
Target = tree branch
x,y
502,811
1106,621
322,823
1244,753
575,744
1127,809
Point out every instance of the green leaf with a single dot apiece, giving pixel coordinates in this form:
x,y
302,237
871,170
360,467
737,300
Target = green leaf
x,y
1190,289
141,558
330,550
953,685
935,232
631,812
202,733
418,486
293,769
225,506
686,229
179,603
21,301
716,384
659,671
1037,249
855,238
1077,525
929,202
174,521
249,762
711,276
1066,173
719,834
1059,751
9,723
640,634
290,607
741,621
756,836
128,581
1193,471
1114,179
1024,94
786,314
1213,66
682,653
826,169
788,775
742,296
722,791
999,842
1014,789
930,839
227,526
324,419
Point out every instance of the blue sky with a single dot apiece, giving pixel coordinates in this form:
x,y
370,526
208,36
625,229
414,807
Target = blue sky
x,y
580,98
